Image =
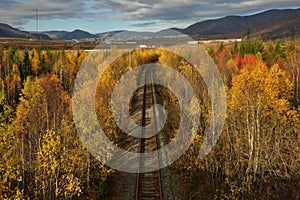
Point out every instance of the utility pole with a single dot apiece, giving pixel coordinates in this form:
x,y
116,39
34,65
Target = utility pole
x,y
37,24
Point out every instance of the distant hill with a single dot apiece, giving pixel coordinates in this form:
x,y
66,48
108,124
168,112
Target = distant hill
x,y
65,35
270,24
135,34
108,34
168,32
177,29
78,34
10,32
267,25
56,35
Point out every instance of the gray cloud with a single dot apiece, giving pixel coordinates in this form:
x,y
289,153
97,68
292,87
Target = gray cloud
x,y
19,12
144,24
164,11
186,12
183,10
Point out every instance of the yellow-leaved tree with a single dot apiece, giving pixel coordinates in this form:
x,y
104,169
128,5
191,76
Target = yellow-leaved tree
x,y
10,176
260,125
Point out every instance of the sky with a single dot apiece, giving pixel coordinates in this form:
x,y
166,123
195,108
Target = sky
x,y
98,16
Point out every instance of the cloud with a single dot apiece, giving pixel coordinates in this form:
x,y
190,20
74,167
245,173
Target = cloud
x,y
19,12
140,12
144,24
187,10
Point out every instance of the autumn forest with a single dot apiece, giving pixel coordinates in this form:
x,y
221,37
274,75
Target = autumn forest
x,y
256,157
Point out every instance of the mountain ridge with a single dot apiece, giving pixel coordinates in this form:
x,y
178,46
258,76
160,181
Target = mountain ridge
x,y
240,26
66,35
11,32
270,24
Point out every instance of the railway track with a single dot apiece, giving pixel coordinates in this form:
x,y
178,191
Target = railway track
x,y
148,185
